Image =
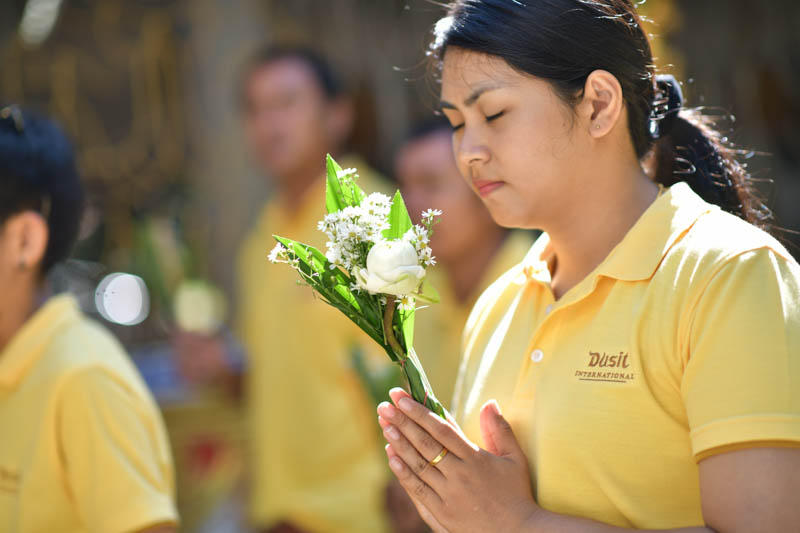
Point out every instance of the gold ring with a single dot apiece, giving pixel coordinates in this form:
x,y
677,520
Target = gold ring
x,y
435,461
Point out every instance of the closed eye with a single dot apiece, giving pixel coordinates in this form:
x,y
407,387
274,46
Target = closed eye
x,y
496,115
457,126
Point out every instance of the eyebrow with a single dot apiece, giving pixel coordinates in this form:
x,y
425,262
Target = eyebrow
x,y
473,97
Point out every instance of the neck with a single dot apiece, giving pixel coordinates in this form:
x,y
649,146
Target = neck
x,y
19,304
608,208
465,271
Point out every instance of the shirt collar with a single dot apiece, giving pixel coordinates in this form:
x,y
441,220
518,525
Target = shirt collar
x,y
33,337
640,252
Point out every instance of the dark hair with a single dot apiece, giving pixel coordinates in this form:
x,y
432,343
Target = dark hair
x,y
331,84
37,172
563,41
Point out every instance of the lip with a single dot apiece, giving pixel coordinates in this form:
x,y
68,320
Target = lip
x,y
486,187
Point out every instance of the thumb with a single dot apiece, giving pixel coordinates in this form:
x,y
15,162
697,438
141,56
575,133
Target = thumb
x,y
497,433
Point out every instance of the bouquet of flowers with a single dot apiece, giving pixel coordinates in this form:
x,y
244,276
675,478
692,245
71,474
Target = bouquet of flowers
x,y
373,269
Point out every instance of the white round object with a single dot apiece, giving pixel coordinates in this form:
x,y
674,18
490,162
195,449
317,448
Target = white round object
x,y
199,307
122,299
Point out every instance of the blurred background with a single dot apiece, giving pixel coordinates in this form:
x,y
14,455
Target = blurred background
x,y
148,91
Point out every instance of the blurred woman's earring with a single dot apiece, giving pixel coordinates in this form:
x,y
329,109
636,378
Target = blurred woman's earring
x,y
22,265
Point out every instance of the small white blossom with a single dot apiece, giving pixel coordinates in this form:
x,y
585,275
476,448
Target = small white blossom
x,y
347,173
429,214
405,303
278,254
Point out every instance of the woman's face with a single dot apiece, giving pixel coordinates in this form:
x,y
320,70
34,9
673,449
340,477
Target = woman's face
x,y
514,140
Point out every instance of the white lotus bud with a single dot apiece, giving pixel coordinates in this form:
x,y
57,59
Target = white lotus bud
x,y
392,268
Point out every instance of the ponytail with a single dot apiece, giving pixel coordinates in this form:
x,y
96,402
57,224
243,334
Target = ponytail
x,y
688,147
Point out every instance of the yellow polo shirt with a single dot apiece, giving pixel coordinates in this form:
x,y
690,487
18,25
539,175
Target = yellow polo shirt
x,y
683,343
82,445
439,327
316,461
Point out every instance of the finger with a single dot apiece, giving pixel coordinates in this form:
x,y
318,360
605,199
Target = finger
x,y
443,432
419,491
423,511
421,440
396,393
413,459
497,432
488,436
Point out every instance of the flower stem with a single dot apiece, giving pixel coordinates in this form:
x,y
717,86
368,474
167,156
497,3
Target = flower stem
x,y
388,321
417,383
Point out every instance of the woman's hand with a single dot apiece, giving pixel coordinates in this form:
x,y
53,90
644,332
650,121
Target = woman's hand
x,y
402,515
469,489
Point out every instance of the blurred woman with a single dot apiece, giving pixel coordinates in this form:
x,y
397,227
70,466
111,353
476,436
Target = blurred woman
x,y
471,249
647,349
83,446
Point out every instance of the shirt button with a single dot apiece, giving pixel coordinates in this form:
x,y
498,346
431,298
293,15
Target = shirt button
x,y
548,309
537,355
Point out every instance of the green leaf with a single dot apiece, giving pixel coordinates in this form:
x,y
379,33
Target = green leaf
x,y
357,193
407,327
399,221
334,197
340,192
333,285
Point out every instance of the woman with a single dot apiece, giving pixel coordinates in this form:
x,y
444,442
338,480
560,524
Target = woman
x,y
647,350
83,446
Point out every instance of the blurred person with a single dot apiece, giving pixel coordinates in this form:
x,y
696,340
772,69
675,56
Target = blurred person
x,y
83,446
294,112
471,249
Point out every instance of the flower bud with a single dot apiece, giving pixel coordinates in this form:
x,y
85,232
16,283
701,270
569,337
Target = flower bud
x,y
392,268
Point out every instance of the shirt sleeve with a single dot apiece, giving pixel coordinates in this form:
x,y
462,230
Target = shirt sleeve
x,y
117,462
741,382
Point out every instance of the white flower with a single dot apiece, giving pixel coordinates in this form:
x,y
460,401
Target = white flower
x,y
406,303
429,214
346,173
376,205
278,254
392,268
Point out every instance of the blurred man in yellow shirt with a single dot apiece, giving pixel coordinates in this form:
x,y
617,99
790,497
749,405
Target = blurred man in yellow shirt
x,y
82,444
311,469
470,249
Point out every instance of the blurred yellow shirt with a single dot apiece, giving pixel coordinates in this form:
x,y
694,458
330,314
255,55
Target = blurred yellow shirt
x,y
684,342
83,447
439,327
316,457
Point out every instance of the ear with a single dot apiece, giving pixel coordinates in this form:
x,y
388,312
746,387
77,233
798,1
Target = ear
x,y
602,104
28,234
339,121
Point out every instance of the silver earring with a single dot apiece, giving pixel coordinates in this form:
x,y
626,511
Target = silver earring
x,y
22,265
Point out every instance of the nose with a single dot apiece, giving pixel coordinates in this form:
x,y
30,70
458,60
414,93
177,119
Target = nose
x,y
469,149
